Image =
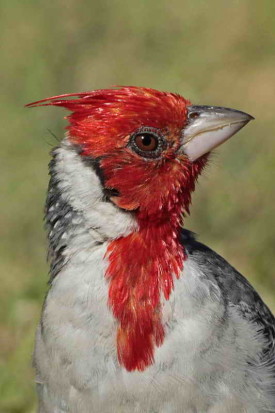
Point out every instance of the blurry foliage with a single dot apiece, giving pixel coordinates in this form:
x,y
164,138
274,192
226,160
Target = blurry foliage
x,y
214,52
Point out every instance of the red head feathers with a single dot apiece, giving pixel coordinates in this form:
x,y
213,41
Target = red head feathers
x,y
102,123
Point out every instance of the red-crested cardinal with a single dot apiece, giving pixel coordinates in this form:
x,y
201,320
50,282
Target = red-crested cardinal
x,y
140,316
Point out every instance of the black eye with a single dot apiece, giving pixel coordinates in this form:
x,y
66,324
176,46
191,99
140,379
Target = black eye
x,y
148,142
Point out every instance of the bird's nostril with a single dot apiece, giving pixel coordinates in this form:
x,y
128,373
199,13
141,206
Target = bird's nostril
x,y
193,115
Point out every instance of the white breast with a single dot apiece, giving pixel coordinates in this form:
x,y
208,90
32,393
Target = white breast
x,y
76,355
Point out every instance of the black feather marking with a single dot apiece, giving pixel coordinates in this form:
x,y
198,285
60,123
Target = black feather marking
x,y
237,292
58,219
95,164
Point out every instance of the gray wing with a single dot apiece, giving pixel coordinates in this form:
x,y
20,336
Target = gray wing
x,y
237,291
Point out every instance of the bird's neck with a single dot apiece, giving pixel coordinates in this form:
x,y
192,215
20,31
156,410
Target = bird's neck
x,y
141,272
144,254
142,268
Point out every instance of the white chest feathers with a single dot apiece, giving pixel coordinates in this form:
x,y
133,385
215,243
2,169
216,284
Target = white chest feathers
x,y
202,355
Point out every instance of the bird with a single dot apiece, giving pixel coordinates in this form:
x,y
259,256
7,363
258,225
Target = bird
x,y
140,316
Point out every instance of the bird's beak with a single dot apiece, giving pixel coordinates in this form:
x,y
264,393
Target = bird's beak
x,y
208,127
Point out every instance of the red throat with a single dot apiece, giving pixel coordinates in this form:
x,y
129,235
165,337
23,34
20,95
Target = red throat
x,y
142,269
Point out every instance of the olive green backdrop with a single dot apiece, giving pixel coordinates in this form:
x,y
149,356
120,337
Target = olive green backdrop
x,y
213,52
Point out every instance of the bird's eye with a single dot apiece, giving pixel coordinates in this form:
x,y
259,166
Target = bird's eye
x,y
148,142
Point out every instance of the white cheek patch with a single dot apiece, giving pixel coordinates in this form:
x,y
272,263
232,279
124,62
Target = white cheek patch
x,y
81,187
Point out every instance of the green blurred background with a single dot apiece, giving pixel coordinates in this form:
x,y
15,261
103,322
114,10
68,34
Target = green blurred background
x,y
213,52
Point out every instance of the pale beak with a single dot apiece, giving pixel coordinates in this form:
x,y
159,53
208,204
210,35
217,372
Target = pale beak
x,y
208,127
